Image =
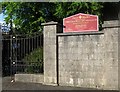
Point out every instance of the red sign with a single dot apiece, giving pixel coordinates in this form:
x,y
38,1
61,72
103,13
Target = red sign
x,y
81,23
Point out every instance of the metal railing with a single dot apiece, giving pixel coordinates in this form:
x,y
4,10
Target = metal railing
x,y
22,53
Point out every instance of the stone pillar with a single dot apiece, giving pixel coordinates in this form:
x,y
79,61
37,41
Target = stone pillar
x,y
111,56
50,57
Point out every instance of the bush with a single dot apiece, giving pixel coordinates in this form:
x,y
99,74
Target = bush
x,y
34,61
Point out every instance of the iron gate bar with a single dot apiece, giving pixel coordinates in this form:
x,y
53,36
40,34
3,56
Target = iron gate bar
x,y
18,47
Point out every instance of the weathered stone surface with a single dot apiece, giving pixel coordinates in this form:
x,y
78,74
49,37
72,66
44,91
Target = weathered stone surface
x,y
88,59
50,30
34,78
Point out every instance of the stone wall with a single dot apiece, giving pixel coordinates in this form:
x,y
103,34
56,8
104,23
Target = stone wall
x,y
87,59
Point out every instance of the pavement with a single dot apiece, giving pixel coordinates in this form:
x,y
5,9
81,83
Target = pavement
x,y
9,85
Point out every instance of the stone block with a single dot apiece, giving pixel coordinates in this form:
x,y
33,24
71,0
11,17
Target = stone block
x,y
34,78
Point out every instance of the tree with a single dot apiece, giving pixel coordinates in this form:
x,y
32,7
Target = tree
x,y
28,17
0,8
25,17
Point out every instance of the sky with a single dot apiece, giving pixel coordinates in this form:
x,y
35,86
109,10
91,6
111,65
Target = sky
x,y
2,21
1,18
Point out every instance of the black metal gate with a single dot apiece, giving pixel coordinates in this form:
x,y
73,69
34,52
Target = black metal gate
x,y
22,54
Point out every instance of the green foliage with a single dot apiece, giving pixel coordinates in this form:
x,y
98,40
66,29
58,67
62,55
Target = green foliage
x,y
34,61
28,16
0,7
25,16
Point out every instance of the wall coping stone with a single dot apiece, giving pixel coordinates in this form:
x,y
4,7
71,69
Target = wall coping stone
x,y
51,23
80,33
111,24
